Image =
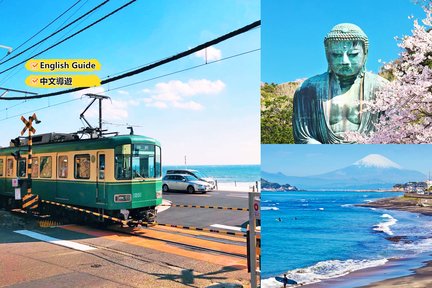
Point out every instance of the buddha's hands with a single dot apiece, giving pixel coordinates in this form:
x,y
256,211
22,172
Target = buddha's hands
x,y
313,141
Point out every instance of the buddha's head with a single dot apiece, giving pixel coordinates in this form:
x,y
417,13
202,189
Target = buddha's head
x,y
346,48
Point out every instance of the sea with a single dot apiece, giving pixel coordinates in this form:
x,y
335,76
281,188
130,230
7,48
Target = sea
x,y
313,236
224,173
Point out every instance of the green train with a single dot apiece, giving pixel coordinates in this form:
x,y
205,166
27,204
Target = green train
x,y
118,176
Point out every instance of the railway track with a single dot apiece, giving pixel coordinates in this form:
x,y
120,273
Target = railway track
x,y
230,246
197,244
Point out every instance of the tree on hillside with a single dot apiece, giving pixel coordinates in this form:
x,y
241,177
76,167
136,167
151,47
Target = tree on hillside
x,y
276,115
406,102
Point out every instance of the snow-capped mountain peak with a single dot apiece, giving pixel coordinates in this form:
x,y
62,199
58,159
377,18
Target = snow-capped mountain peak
x,y
377,161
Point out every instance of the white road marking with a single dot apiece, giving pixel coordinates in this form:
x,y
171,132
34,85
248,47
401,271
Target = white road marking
x,y
55,241
238,196
166,205
226,227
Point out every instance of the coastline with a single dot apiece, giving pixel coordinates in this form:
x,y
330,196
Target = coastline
x,y
386,276
400,204
414,271
421,277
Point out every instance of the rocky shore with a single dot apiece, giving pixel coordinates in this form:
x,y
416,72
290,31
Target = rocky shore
x,y
415,205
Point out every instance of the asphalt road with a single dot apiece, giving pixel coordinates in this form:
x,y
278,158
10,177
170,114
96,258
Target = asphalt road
x,y
124,261
203,218
116,261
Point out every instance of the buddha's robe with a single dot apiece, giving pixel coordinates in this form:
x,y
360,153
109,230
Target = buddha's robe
x,y
310,122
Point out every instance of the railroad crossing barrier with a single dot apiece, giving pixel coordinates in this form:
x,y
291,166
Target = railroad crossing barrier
x,y
203,229
127,222
206,207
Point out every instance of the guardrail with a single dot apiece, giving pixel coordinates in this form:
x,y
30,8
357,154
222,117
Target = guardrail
x,y
206,207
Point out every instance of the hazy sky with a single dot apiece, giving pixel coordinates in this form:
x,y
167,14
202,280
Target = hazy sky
x,y
210,114
293,33
302,160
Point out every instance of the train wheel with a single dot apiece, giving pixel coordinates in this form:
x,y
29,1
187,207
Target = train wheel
x,y
190,189
165,188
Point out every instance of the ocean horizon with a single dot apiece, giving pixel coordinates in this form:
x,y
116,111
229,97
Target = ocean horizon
x,y
224,173
313,236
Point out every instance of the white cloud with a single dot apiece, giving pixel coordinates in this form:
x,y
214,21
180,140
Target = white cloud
x,y
123,92
210,54
158,104
174,93
112,110
147,100
190,105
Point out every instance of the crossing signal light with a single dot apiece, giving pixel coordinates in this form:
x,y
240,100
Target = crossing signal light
x,y
16,142
16,155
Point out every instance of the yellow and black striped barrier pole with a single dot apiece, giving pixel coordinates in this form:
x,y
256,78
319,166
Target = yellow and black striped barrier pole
x,y
30,201
207,207
203,229
125,222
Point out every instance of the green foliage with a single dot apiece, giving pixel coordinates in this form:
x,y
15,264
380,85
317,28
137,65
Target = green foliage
x,y
276,113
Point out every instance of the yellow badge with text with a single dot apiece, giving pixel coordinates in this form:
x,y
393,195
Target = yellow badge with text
x,y
62,81
63,65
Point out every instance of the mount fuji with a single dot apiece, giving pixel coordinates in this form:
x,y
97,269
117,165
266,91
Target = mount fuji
x,y
371,172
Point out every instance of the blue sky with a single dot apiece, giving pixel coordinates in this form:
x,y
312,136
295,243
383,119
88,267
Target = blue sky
x,y
303,160
293,33
210,114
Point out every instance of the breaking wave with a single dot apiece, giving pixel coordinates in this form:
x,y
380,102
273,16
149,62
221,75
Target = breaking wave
x,y
324,270
385,226
269,208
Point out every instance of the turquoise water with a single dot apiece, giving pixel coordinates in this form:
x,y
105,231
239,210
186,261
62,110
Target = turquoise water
x,y
326,236
225,173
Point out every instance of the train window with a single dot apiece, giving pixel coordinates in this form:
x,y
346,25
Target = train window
x,y
9,167
137,161
62,166
82,166
158,161
143,161
21,171
35,167
1,167
122,162
101,166
45,166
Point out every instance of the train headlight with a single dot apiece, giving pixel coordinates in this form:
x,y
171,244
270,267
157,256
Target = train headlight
x,y
159,194
122,198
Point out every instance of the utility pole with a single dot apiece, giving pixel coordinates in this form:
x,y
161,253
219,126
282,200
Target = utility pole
x,y
254,214
30,201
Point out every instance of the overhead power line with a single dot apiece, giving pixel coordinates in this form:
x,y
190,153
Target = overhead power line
x,y
18,69
148,67
15,90
67,38
54,33
37,33
135,83
182,70
39,109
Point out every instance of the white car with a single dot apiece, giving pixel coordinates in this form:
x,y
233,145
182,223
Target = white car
x,y
196,174
184,182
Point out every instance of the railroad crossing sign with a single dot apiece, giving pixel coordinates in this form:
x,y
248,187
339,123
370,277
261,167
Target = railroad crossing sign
x,y
29,201
256,206
28,124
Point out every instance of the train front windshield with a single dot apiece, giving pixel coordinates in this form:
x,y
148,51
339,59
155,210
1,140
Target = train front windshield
x,y
136,161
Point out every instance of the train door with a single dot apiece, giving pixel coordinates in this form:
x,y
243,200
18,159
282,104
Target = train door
x,y
2,175
60,174
10,163
100,178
